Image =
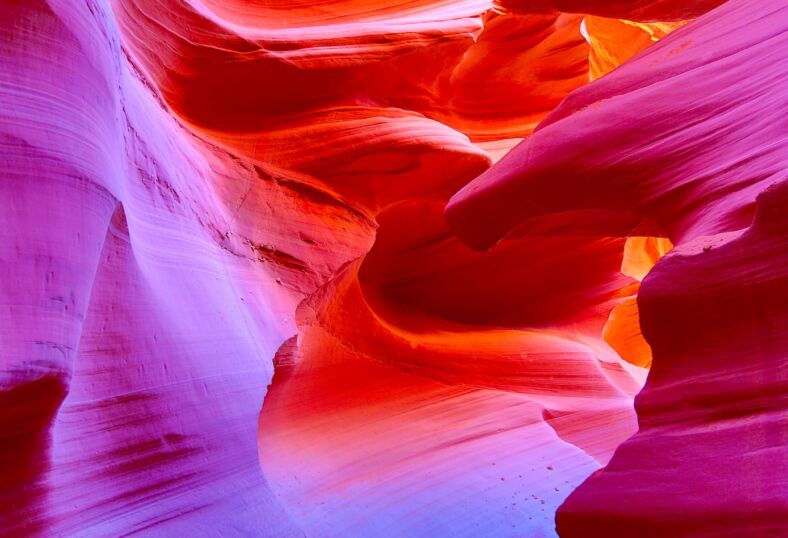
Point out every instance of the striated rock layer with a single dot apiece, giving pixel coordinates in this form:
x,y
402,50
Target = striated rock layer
x,y
213,205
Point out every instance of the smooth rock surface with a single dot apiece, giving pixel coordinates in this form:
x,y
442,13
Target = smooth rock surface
x,y
393,268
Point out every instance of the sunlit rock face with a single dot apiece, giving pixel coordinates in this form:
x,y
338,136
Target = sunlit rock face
x,y
393,268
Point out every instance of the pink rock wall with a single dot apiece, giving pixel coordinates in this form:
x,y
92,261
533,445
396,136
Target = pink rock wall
x,y
140,309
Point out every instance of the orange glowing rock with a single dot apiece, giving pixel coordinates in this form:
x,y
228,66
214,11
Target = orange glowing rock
x,y
622,332
519,68
614,41
641,253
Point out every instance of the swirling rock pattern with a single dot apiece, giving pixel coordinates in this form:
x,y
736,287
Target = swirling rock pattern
x,y
393,268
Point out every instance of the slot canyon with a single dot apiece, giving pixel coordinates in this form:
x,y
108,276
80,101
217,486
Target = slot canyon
x,y
394,268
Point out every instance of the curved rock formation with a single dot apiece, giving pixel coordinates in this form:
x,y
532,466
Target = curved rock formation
x,y
709,457
710,452
210,206
725,156
384,418
140,294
